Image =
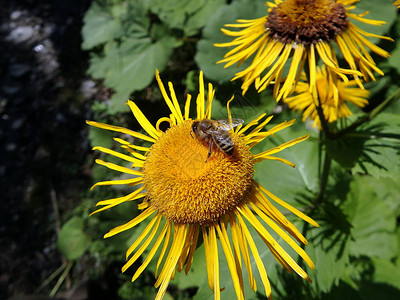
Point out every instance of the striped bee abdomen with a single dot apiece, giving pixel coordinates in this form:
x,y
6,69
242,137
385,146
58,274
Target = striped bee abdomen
x,y
224,142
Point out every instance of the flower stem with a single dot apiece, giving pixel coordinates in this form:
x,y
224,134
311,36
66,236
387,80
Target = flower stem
x,y
327,134
61,279
320,153
51,277
324,177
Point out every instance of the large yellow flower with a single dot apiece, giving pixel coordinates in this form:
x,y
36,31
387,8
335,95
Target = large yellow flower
x,y
331,93
187,194
306,31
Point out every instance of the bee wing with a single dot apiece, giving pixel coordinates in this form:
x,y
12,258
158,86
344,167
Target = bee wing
x,y
228,124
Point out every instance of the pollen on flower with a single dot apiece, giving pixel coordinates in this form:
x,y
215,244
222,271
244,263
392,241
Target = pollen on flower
x,y
306,21
185,186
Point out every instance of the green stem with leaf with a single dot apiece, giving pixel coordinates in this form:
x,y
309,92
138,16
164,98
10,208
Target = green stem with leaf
x,y
367,117
326,133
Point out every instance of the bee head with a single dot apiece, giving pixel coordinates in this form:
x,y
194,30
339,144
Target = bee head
x,y
194,128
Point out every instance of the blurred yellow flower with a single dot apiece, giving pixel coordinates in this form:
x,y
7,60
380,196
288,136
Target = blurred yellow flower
x,y
187,194
296,33
333,94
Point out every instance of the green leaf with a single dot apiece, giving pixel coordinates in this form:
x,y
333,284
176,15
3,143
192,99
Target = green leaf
x,y
200,17
346,151
387,191
131,66
385,11
378,279
99,65
373,222
72,240
174,13
188,15
109,21
118,103
281,179
127,61
386,272
138,291
100,137
100,26
394,59
329,249
207,54
380,156
136,67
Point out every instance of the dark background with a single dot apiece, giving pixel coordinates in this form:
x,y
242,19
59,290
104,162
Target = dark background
x,y
44,146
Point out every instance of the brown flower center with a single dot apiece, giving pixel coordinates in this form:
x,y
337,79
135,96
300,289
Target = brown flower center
x,y
306,21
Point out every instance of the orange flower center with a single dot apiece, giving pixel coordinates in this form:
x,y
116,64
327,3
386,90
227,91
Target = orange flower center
x,y
187,187
306,21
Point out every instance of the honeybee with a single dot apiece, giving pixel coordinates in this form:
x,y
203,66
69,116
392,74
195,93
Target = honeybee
x,y
216,132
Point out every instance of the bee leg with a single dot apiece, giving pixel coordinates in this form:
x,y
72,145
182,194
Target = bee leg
x,y
191,134
209,152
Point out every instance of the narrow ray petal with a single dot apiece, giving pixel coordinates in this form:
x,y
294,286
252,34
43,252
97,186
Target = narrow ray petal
x,y
143,121
144,215
122,130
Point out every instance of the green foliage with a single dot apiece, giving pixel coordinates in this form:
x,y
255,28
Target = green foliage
x,y
346,151
72,240
282,179
371,149
394,60
98,137
207,55
129,47
382,12
380,147
373,222
131,291
188,15
356,250
101,26
386,272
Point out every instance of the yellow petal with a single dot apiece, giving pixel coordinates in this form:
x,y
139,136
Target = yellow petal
x,y
118,168
287,206
144,246
135,161
164,248
138,219
122,130
236,273
146,125
118,201
143,234
130,181
256,255
150,256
